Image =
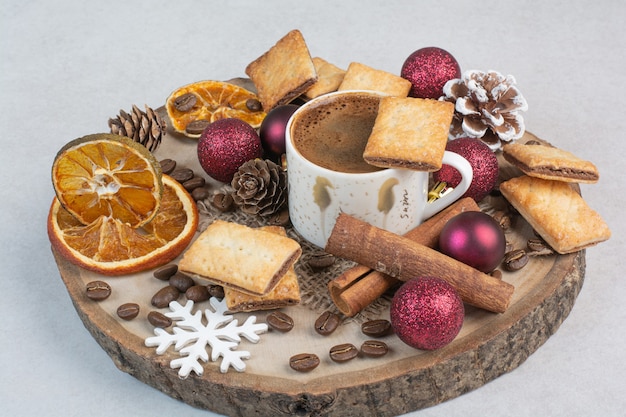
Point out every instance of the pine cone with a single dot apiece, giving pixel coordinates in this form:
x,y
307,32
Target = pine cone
x,y
487,106
146,127
260,187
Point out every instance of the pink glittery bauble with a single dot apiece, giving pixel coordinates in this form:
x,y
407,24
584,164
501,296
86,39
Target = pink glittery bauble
x,y
484,164
225,145
428,69
427,313
474,238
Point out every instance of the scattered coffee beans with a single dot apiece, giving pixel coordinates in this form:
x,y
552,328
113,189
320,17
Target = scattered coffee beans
x,y
197,293
223,202
165,272
304,362
279,321
321,261
327,323
158,319
374,348
168,166
515,260
182,174
343,352
216,291
503,219
197,127
194,183
185,102
128,311
496,273
165,296
279,219
181,282
538,247
98,290
376,328
200,193
253,104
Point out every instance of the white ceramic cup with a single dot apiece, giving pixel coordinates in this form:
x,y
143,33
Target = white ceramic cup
x,y
392,199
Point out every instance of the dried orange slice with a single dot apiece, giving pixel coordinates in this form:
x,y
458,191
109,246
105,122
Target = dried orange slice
x,y
108,175
111,247
204,102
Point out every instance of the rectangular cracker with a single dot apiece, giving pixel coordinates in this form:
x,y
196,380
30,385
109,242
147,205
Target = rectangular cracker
x,y
329,77
247,259
409,133
550,163
284,72
285,293
556,212
361,77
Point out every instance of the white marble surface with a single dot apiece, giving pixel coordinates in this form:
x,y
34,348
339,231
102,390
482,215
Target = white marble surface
x,y
67,66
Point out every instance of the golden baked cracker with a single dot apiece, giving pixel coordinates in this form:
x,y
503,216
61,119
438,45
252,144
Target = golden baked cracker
x,y
240,257
285,293
329,77
547,162
409,133
556,212
284,72
361,77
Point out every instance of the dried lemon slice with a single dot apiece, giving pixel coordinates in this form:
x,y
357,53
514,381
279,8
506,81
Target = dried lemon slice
x,y
108,175
193,106
110,247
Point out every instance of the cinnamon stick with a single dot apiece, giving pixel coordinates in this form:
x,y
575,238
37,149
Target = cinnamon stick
x,y
404,259
359,286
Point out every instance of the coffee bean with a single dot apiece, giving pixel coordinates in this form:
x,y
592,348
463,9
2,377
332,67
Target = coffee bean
x,y
185,102
515,260
343,352
168,166
321,261
223,202
182,174
327,323
253,104
165,296
197,127
181,282
200,193
194,183
304,362
538,247
376,328
197,293
98,290
496,273
374,348
165,272
279,219
503,219
216,291
158,319
279,321
128,311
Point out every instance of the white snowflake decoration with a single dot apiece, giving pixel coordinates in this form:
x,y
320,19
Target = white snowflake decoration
x,y
191,337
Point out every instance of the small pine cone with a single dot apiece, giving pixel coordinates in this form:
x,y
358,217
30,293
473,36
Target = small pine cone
x,y
260,187
146,127
487,106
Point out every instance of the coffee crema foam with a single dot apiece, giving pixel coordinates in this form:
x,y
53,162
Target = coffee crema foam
x,y
333,133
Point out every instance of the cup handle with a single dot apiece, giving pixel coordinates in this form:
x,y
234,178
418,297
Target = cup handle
x,y
467,173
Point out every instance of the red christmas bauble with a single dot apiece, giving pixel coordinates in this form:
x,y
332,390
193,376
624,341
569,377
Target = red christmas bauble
x,y
484,164
428,69
474,238
427,313
272,130
225,145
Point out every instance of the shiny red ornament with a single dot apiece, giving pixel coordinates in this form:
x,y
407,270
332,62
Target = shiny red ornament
x,y
484,164
272,130
427,313
225,145
428,69
474,238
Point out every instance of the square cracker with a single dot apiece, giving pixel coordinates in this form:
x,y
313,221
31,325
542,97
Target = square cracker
x,y
409,133
556,212
361,77
550,163
247,259
286,292
329,77
284,72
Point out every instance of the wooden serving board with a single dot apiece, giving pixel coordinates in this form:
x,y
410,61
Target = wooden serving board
x,y
404,380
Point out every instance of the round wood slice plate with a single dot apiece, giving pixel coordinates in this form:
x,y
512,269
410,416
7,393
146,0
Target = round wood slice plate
x,y
404,380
